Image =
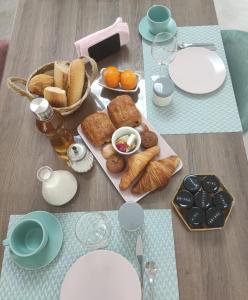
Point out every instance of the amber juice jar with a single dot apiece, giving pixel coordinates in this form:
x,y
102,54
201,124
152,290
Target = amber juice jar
x,y
51,123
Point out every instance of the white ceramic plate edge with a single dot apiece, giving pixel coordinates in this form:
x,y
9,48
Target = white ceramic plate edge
x,y
190,89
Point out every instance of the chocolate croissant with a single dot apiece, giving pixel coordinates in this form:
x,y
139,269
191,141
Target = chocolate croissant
x,y
136,164
157,174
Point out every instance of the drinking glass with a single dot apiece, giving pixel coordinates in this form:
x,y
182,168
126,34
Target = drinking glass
x,y
163,50
93,230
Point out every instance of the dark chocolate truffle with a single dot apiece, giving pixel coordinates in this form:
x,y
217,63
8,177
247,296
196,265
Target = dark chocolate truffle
x,y
203,200
210,184
191,183
222,200
184,199
215,217
195,217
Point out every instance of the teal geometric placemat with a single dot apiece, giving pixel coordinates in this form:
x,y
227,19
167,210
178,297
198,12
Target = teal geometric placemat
x,y
158,244
187,113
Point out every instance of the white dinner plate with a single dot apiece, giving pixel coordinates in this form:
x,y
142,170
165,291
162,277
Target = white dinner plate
x,y
197,70
101,274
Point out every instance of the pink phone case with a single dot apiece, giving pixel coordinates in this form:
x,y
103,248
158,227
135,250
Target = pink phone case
x,y
119,27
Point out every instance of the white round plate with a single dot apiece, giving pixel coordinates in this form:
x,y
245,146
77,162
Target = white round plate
x,y
197,70
103,275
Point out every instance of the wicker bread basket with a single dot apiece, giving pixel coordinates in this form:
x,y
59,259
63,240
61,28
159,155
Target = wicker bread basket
x,y
13,83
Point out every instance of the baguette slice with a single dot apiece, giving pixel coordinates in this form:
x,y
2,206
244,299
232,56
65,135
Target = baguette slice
x,y
55,96
61,69
76,78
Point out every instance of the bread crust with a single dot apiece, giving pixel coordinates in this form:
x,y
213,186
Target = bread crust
x,y
61,69
55,96
76,78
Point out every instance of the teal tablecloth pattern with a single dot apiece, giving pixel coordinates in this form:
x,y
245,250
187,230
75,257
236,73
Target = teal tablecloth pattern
x,y
158,243
188,113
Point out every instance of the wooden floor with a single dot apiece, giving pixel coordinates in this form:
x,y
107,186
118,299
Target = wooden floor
x,y
210,265
7,14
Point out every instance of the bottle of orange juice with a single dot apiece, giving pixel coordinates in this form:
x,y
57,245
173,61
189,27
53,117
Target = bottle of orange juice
x,y
51,123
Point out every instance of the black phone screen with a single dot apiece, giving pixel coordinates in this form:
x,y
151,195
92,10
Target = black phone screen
x,y
105,47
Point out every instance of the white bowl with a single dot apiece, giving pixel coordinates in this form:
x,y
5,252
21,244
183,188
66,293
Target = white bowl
x,y
123,131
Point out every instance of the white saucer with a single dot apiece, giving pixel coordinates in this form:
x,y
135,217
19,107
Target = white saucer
x,y
197,70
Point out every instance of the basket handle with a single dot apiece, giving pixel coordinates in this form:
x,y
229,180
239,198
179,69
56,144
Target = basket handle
x,y
94,69
11,82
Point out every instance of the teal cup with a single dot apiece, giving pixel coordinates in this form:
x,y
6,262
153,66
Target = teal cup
x,y
158,17
27,238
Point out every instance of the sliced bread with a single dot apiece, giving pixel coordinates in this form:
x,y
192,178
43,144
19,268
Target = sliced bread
x,y
55,96
61,69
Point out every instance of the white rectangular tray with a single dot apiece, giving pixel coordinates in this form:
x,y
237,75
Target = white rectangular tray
x,y
165,151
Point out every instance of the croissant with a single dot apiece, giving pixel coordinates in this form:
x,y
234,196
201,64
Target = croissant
x,y
136,164
157,174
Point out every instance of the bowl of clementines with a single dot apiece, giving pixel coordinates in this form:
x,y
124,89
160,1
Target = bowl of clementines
x,y
119,80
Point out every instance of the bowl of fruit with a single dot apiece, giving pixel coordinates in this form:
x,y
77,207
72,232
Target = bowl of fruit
x,y
119,80
126,140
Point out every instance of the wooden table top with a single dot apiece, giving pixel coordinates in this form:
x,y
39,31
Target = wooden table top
x,y
210,265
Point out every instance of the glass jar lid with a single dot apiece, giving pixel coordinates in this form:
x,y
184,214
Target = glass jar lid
x,y
76,152
41,108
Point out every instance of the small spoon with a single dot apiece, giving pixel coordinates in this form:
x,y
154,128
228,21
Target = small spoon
x,y
151,270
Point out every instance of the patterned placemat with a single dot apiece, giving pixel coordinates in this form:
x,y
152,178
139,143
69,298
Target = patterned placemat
x,y
158,243
187,113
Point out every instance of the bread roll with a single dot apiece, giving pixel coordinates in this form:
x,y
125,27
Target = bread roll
x,y
61,69
55,96
39,82
76,78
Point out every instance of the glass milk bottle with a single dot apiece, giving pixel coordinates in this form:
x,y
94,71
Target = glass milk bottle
x,y
58,187
51,123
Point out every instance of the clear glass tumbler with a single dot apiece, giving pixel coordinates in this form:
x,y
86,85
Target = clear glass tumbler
x,y
93,230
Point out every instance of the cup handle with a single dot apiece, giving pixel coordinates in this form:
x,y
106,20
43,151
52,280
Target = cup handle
x,y
5,242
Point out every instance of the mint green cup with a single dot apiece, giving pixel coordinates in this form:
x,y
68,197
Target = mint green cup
x,y
27,238
158,18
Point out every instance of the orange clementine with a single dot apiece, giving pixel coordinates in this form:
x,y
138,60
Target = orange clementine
x,y
128,80
111,76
